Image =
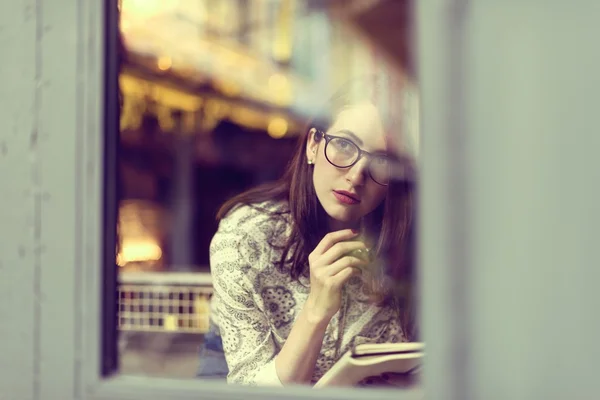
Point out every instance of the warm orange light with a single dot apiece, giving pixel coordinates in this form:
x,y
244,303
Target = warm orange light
x,y
142,8
164,63
282,45
277,128
280,88
138,250
278,82
282,49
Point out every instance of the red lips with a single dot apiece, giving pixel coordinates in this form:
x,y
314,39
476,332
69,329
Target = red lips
x,y
346,197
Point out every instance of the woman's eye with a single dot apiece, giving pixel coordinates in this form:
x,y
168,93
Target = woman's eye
x,y
381,160
344,144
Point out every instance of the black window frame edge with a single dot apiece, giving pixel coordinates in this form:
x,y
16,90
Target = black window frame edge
x,y
110,192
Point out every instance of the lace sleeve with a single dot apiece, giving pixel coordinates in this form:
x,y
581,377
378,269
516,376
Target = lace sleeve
x,y
245,331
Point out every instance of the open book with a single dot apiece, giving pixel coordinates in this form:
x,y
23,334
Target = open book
x,y
374,360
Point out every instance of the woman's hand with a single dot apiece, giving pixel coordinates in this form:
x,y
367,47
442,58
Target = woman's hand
x,y
330,267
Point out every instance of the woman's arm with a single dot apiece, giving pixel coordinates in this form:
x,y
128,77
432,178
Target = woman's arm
x,y
296,361
329,271
248,342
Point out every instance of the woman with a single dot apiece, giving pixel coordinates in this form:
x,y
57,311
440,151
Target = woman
x,y
305,267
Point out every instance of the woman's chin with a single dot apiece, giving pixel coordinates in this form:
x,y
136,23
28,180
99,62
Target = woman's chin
x,y
341,216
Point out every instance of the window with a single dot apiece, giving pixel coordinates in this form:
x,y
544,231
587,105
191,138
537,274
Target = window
x,y
147,283
205,115
497,104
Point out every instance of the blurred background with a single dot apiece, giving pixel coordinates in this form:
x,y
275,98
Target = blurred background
x,y
214,94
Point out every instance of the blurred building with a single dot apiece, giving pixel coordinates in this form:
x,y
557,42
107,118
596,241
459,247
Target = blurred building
x,y
214,94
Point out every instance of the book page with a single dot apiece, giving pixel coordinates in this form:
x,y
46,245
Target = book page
x,y
378,348
397,360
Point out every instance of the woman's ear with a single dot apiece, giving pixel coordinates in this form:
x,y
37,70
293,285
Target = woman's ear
x,y
311,146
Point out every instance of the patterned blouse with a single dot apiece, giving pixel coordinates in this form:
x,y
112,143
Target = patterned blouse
x,y
255,305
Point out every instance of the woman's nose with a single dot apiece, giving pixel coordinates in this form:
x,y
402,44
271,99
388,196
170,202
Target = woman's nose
x,y
357,173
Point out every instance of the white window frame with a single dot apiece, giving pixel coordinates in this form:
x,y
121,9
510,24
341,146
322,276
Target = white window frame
x,y
55,297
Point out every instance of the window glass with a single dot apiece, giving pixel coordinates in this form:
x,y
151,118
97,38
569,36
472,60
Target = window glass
x,y
215,96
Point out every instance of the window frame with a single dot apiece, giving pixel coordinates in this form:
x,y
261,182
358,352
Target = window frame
x,y
74,324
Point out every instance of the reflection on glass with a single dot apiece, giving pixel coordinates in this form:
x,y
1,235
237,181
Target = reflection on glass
x,y
218,96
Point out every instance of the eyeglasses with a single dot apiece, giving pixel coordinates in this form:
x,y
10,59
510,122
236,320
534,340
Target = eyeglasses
x,y
342,152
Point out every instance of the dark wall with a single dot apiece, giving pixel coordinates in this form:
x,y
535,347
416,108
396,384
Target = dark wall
x,y
246,159
224,163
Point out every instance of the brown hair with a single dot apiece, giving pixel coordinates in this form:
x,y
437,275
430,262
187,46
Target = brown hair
x,y
391,224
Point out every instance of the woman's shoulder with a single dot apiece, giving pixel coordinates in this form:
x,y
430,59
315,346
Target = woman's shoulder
x,y
258,219
253,230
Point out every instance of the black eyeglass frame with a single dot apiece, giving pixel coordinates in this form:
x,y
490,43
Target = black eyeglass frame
x,y
361,152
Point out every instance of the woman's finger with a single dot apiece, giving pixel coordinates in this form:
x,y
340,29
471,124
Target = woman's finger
x,y
339,250
332,238
342,264
338,280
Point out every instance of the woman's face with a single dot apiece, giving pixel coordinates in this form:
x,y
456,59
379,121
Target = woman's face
x,y
348,194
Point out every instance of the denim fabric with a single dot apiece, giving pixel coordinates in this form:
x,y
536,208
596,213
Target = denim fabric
x,y
212,364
